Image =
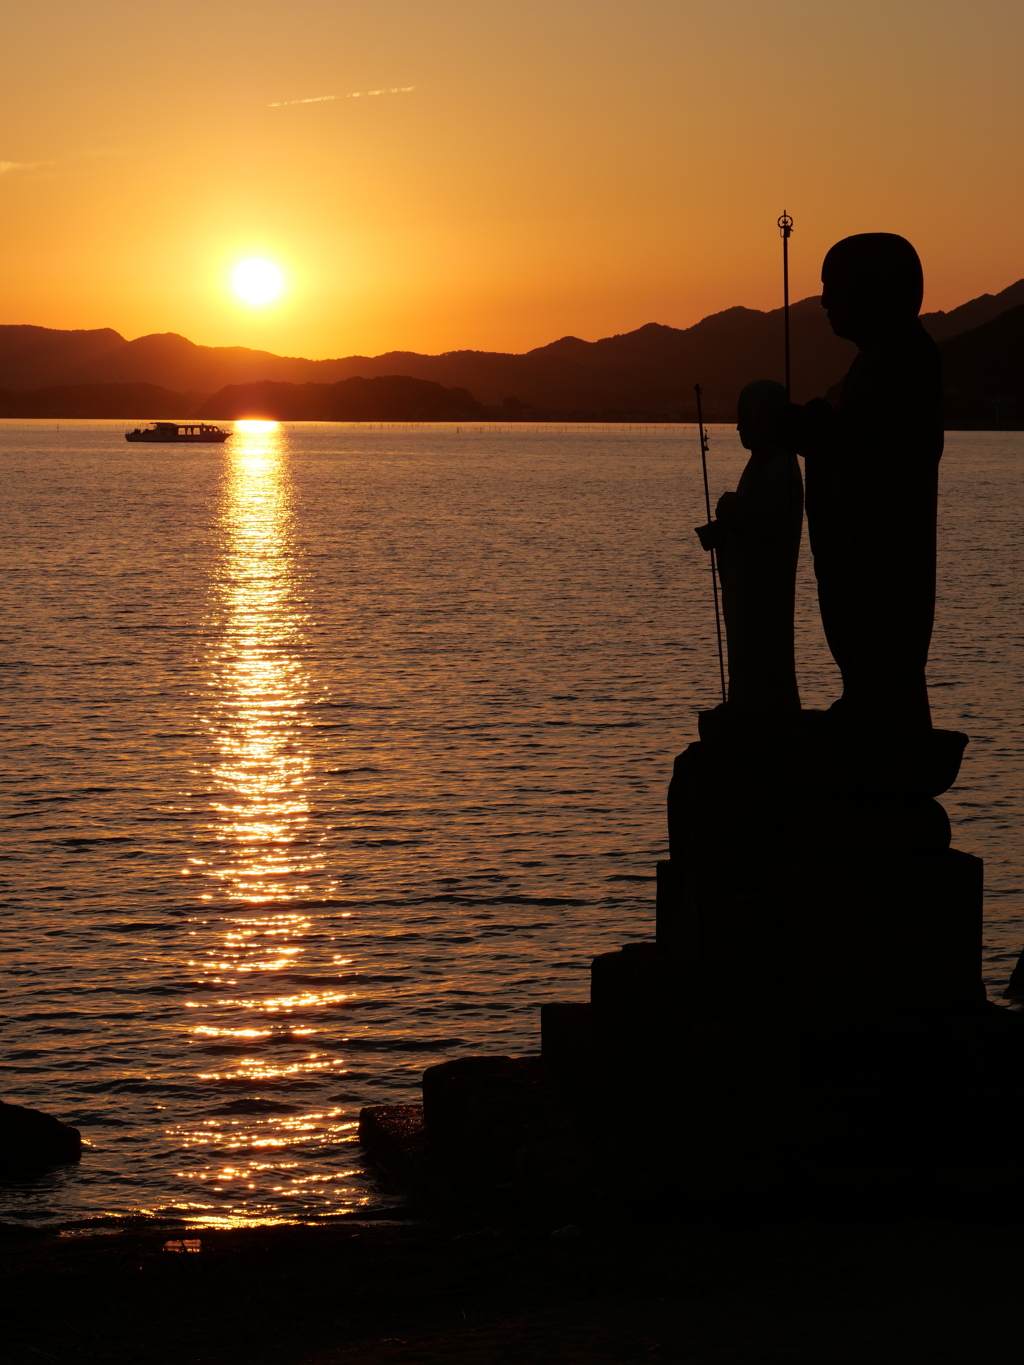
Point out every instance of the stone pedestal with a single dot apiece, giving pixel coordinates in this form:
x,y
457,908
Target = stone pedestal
x,y
808,1026
812,1003
816,935
811,873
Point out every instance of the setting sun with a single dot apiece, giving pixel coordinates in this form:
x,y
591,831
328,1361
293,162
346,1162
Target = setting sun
x,y
257,281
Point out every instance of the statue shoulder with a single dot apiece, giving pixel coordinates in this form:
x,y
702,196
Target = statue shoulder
x,y
912,351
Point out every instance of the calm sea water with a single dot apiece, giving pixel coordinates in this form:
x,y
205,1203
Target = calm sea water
x,y
335,752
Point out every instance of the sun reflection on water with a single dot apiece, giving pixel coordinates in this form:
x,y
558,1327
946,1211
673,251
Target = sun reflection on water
x,y
264,857
266,851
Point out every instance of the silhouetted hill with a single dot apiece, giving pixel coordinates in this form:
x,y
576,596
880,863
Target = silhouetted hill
x,y
983,371
942,326
390,398
129,401
646,373
166,358
33,356
651,370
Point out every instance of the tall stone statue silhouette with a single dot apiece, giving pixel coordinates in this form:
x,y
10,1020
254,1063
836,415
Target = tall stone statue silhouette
x,y
756,536
872,481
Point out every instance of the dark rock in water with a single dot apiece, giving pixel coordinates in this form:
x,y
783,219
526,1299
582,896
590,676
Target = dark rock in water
x,y
394,1138
483,1109
492,1129
31,1141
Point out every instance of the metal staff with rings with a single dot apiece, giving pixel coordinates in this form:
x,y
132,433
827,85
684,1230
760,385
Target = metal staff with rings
x,y
786,228
714,565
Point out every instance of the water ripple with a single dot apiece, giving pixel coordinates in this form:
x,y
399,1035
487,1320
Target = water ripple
x,y
339,751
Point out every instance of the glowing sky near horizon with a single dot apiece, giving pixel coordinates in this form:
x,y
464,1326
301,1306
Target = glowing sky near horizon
x,y
432,176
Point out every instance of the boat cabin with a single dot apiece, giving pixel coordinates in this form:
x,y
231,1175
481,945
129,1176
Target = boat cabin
x,y
173,431
178,431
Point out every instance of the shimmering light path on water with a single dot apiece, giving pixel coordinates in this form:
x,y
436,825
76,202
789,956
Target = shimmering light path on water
x,y
337,751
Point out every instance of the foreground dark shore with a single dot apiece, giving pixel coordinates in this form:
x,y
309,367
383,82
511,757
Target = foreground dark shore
x,y
708,1294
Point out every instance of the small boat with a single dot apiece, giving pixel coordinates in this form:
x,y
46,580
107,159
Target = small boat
x,y
178,431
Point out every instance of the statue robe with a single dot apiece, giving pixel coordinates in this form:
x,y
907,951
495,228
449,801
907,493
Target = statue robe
x,y
757,558
872,485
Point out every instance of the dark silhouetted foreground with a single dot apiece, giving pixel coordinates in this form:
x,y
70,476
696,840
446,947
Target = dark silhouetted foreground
x,y
812,1293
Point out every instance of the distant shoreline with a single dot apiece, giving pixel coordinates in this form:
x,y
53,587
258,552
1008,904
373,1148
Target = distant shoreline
x,y
131,415
640,376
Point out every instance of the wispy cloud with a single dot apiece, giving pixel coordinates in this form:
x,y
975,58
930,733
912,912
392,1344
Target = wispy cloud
x,y
353,95
6,166
395,90
316,99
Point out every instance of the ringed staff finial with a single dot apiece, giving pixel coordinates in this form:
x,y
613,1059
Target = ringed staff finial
x,y
785,230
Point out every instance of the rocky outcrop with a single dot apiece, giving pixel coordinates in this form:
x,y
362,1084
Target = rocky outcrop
x,y
31,1140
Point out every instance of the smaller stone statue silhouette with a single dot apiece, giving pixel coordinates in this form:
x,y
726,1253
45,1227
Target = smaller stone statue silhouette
x,y
756,537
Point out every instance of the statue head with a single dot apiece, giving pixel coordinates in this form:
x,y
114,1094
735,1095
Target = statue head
x,y
870,284
759,411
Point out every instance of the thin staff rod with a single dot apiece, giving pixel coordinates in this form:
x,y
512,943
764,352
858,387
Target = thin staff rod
x,y
714,565
785,228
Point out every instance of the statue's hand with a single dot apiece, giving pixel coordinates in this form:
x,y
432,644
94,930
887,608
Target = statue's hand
x,y
710,536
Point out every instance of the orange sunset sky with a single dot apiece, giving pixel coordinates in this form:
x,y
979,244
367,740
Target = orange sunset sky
x,y
436,174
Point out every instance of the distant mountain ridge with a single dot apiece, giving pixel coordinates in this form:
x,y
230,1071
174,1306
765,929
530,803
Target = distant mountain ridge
x,y
34,357
646,373
652,368
974,313
94,400
983,370
393,399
